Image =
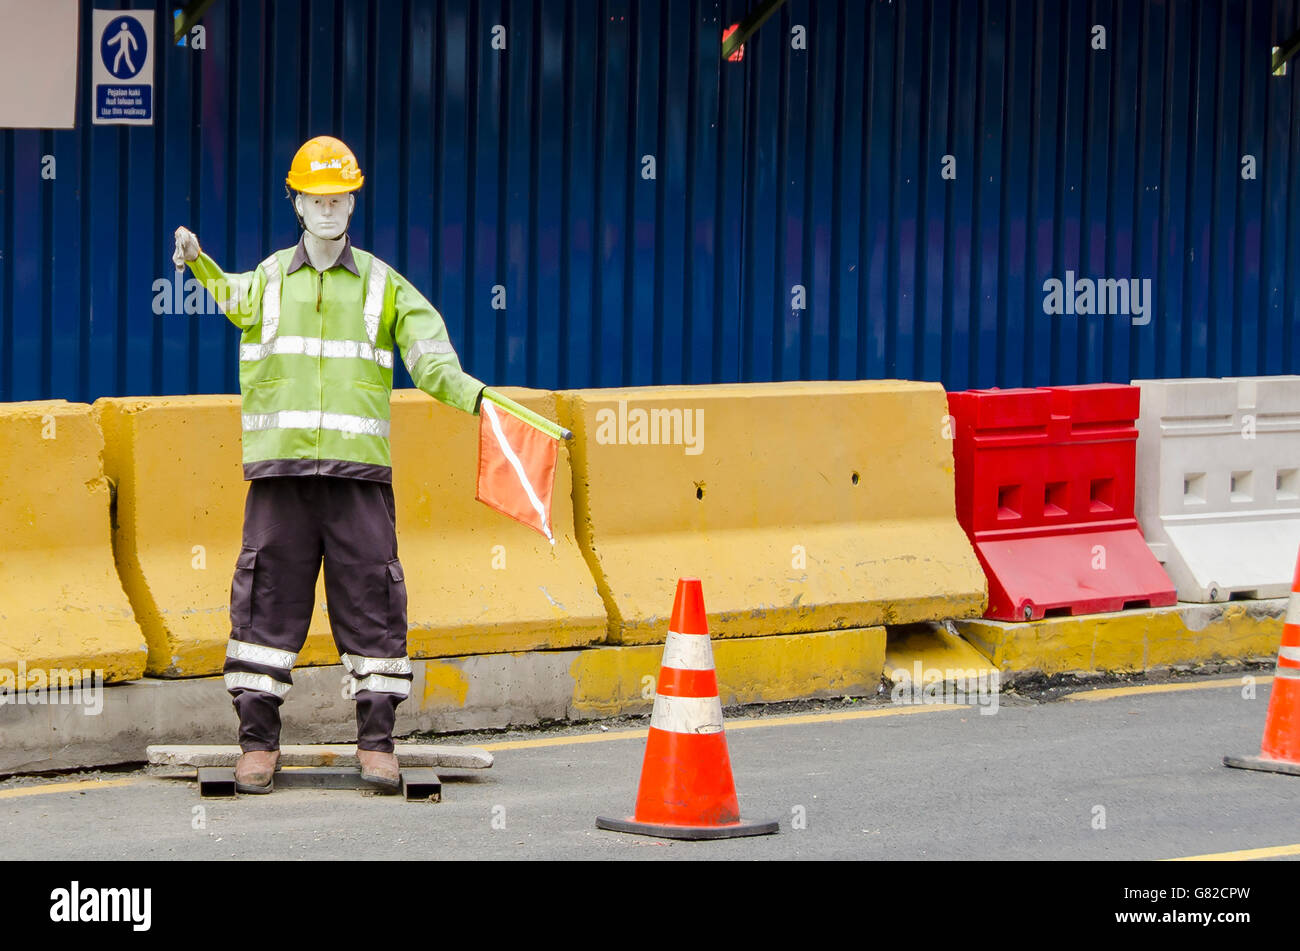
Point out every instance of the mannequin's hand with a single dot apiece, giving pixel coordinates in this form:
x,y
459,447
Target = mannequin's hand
x,y
187,247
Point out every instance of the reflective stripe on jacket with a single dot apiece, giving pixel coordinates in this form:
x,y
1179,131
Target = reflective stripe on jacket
x,y
316,360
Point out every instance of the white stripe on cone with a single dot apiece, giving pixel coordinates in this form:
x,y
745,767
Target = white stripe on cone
x,y
1293,609
687,714
687,652
1288,653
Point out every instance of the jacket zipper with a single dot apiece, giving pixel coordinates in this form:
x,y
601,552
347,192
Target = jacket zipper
x,y
320,366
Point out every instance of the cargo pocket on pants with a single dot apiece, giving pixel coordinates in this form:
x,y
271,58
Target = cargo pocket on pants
x,y
241,590
396,600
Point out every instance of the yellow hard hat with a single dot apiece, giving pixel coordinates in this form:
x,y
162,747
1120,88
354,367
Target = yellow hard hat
x,y
324,166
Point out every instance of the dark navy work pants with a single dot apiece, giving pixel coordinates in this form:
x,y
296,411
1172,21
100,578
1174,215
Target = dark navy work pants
x,y
291,525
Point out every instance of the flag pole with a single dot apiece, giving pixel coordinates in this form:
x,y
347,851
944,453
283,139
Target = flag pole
x,y
554,430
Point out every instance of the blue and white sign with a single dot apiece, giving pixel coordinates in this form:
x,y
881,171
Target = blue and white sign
x,y
122,73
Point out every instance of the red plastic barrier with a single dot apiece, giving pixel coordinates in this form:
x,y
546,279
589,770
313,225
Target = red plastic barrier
x,y
1045,493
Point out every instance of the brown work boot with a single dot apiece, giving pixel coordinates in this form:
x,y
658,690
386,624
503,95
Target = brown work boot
x,y
379,768
255,770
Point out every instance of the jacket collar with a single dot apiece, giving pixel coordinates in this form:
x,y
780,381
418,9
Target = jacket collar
x,y
345,260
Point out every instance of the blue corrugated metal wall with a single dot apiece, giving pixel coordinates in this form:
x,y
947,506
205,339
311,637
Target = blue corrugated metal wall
x,y
816,167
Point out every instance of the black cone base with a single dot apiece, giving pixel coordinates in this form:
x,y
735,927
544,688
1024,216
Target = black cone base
x,y
733,831
1264,765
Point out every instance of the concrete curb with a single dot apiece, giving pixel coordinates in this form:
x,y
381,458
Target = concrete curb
x,y
477,692
1130,641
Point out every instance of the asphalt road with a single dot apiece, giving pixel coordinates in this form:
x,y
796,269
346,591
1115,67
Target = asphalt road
x,y
1136,775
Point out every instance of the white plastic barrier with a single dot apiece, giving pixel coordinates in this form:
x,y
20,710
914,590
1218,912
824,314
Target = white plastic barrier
x,y
1218,483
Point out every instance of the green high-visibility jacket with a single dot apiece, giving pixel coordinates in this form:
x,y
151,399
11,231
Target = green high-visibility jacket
x,y
316,360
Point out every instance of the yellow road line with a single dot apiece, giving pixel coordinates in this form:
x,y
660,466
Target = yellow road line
x,y
1160,688
1241,855
80,786
839,715
563,740
732,725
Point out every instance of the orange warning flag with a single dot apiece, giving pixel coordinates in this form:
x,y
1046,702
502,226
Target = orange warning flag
x,y
516,467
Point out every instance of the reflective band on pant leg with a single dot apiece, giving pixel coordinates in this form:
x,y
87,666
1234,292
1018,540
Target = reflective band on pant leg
x,y
381,684
258,654
687,714
262,682
361,666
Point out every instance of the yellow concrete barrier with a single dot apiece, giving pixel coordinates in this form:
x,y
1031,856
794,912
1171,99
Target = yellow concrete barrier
x,y
476,581
802,506
63,615
175,461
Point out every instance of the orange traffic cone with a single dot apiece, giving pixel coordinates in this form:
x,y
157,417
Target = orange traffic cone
x,y
1280,751
687,791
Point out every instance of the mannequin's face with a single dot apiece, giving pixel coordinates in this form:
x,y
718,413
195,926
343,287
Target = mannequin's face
x,y
326,216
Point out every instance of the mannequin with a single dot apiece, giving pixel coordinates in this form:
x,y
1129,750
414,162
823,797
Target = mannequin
x,y
325,221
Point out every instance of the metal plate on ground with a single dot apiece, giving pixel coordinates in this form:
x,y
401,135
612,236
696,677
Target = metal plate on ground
x,y
417,784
